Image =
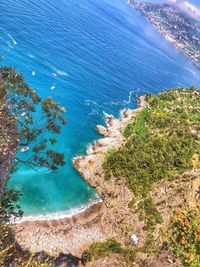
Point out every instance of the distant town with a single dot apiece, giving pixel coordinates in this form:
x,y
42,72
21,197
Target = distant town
x,y
175,26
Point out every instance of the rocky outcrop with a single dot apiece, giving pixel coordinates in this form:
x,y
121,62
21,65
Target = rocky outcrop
x,y
117,219
102,130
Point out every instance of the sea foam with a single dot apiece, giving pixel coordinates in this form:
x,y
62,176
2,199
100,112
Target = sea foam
x,y
59,215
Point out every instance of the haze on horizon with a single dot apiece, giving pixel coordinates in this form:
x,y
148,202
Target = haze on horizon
x,y
189,7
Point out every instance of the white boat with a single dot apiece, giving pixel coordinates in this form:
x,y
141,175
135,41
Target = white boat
x,y
24,149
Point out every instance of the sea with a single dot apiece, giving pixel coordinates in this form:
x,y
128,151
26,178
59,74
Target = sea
x,y
99,55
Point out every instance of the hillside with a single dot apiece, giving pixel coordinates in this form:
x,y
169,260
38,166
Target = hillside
x,y
151,172
146,171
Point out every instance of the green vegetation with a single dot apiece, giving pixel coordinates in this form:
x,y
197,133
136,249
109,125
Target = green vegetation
x,y
160,143
150,245
139,125
9,209
184,235
148,213
38,120
102,249
27,121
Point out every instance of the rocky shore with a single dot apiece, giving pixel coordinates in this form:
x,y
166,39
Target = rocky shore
x,y
119,221
115,194
74,234
111,218
67,235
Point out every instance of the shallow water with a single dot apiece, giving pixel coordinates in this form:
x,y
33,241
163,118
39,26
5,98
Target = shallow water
x,y
104,53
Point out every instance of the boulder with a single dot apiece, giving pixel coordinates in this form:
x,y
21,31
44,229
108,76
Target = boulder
x,y
102,130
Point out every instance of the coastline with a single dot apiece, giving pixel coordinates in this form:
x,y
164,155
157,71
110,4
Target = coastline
x,y
73,234
59,215
180,44
67,235
114,194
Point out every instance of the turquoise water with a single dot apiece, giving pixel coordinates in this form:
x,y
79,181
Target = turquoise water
x,y
104,54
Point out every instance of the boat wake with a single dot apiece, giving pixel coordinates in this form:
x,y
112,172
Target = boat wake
x,y
13,40
190,70
57,71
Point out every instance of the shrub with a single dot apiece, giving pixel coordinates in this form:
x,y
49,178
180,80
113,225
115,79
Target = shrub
x,y
184,236
103,249
160,143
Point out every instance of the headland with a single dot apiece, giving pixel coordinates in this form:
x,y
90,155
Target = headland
x,y
73,234
146,171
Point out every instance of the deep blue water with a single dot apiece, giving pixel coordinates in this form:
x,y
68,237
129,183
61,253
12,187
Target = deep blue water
x,y
101,51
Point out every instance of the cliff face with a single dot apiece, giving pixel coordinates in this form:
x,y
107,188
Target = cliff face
x,y
119,219
8,143
115,194
122,217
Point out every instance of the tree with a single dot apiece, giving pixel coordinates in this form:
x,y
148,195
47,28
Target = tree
x,y
9,207
37,121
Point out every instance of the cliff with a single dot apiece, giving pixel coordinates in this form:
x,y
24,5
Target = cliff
x,y
115,195
131,204
146,171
